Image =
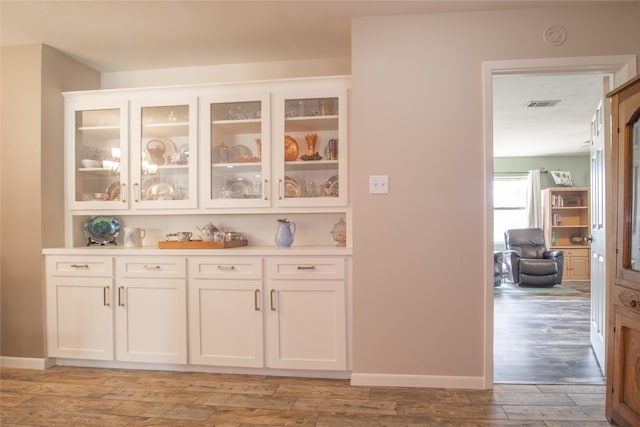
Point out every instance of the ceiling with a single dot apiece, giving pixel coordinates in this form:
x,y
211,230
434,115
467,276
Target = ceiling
x,y
114,36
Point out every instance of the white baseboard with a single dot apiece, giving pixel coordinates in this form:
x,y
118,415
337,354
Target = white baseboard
x,y
27,362
426,381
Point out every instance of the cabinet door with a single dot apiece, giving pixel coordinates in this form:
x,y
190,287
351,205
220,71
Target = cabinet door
x,y
164,153
306,325
310,146
96,159
626,372
80,317
151,320
236,150
225,322
579,268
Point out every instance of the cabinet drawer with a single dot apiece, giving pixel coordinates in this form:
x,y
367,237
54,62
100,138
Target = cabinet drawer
x,y
82,266
225,268
162,267
307,268
576,252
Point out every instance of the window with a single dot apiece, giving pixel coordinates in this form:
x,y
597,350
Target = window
x,y
509,204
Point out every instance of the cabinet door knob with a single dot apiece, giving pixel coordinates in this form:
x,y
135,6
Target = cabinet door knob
x,y
105,296
588,238
123,192
256,299
633,303
272,298
121,296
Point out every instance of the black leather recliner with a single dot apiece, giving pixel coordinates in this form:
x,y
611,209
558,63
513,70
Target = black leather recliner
x,y
497,268
529,263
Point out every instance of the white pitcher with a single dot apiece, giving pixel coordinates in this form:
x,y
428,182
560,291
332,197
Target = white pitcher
x,y
133,236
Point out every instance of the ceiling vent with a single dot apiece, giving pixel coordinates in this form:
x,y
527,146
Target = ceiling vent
x,y
542,104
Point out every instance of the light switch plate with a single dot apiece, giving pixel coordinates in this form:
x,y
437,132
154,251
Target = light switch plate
x,y
379,184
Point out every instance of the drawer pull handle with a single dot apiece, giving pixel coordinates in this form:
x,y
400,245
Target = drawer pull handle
x,y
306,267
272,295
123,192
256,298
121,296
79,265
105,296
226,267
152,267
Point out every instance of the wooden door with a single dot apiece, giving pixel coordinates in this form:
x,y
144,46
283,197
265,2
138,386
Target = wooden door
x,y
600,137
623,330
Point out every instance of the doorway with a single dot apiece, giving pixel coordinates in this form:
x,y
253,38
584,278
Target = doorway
x,y
620,66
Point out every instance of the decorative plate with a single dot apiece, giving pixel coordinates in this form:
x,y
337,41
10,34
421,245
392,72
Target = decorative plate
x,y
238,188
331,187
291,149
158,189
291,187
239,151
113,191
102,229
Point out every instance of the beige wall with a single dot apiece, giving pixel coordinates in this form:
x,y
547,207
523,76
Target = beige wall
x,y
227,73
420,254
32,184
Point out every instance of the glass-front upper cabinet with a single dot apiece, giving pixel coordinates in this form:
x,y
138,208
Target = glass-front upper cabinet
x,y
311,155
164,154
237,150
97,165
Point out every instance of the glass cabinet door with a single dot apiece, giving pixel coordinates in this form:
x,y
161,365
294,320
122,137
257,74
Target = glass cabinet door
x,y
238,151
164,155
313,171
99,159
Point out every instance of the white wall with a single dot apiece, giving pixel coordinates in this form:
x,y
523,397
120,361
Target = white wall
x,y
420,255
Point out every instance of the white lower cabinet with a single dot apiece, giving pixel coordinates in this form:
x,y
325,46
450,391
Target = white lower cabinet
x,y
226,311
151,309
79,293
306,320
147,305
242,311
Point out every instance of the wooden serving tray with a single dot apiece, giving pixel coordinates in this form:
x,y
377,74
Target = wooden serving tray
x,y
199,244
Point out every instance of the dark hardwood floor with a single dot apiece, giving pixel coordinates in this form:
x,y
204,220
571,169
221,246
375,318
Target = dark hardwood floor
x,y
544,339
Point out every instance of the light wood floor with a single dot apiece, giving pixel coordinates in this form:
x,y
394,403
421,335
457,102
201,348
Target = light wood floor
x,y
68,396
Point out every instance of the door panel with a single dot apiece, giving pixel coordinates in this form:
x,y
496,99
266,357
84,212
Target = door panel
x,y
623,331
600,136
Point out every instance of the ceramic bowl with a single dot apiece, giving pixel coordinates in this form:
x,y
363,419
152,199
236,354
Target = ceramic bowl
x,y
90,163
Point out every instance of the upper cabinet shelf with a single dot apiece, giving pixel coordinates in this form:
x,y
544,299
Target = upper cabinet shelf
x,y
203,148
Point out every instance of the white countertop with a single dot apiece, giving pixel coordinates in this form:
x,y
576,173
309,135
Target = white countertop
x,y
241,251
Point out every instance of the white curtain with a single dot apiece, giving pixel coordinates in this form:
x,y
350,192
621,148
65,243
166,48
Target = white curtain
x,y
534,200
